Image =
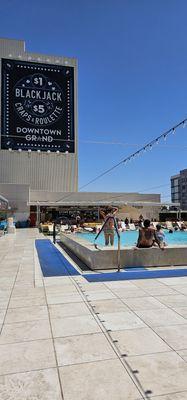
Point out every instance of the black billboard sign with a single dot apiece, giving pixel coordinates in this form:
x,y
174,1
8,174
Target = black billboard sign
x,y
37,106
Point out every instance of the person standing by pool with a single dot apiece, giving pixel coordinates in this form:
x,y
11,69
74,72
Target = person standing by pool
x,y
78,220
147,236
108,228
140,220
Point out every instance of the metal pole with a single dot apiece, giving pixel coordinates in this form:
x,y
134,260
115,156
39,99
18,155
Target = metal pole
x,y
54,232
98,213
179,214
119,246
119,266
37,215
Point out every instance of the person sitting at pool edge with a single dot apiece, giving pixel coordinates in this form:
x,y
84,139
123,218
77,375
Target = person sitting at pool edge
x,y
160,235
108,229
147,236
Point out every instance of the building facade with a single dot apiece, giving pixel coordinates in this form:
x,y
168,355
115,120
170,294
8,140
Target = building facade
x,y
179,189
38,140
38,119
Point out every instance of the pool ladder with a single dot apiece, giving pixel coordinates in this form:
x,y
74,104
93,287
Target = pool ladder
x,y
119,239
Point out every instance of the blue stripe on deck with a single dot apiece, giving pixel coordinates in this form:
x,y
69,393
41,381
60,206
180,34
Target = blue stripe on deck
x,y
52,261
120,276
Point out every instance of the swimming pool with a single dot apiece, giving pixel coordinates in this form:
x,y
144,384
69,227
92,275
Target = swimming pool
x,y
107,257
129,238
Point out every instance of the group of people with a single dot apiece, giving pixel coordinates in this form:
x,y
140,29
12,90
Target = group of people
x,y
148,235
176,226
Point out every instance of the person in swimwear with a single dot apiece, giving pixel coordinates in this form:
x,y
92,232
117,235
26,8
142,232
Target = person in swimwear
x,y
147,236
160,235
108,229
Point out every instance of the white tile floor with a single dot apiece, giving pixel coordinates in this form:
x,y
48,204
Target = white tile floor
x,y
63,338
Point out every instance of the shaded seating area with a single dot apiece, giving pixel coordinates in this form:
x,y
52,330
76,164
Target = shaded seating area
x,y
3,215
3,227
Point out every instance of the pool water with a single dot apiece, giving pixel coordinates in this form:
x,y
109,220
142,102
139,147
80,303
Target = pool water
x,y
129,238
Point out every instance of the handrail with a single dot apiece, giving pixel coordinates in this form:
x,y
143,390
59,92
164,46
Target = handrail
x,y
118,235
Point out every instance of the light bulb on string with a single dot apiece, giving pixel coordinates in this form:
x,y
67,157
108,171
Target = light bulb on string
x,y
173,131
150,147
184,124
157,141
165,137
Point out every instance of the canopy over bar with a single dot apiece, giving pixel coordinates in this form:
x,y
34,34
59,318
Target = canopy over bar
x,y
102,203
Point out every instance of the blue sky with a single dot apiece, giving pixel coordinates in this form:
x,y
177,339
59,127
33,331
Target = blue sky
x,y
132,82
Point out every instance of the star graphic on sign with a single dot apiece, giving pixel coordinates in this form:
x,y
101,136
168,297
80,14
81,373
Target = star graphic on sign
x,y
49,83
53,88
27,81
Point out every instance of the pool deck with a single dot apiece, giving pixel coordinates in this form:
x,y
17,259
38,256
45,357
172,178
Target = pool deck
x,y
64,338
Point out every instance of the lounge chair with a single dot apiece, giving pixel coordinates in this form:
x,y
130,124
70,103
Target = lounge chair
x,y
88,229
63,228
44,228
132,227
50,229
154,224
169,225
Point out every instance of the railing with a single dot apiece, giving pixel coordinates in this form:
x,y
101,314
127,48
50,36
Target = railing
x,y
118,235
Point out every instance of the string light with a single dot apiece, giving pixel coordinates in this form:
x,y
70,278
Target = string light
x,y
129,158
143,149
